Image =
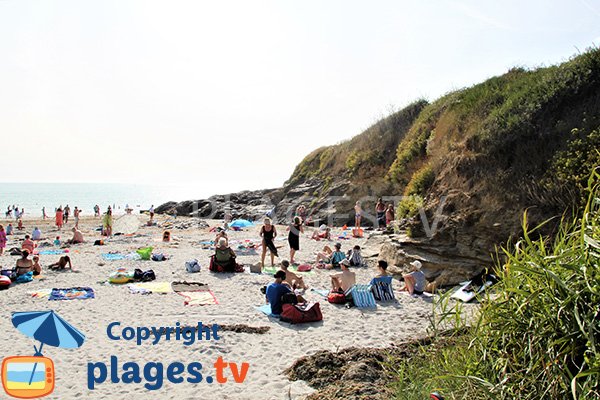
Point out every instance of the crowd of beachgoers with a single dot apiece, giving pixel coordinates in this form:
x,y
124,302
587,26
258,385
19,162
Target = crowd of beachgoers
x,y
238,272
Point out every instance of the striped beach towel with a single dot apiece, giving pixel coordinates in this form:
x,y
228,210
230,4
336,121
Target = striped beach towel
x,y
382,288
362,296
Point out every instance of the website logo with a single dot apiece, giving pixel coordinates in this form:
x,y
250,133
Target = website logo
x,y
28,377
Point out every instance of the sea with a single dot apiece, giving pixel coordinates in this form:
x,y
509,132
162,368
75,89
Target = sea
x,y
33,196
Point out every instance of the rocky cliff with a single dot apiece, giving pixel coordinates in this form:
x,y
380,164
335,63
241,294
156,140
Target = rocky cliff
x,y
467,166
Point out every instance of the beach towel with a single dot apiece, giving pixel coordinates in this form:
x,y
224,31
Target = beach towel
x,y
75,293
41,294
52,252
292,268
321,292
382,288
362,296
113,256
150,287
266,309
195,293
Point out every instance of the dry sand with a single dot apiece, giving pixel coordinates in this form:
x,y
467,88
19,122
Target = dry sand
x,y
268,354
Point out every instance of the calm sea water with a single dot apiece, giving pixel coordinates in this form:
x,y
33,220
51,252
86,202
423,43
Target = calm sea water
x,y
34,196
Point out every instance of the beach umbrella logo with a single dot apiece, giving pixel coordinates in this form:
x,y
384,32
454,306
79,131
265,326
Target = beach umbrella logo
x,y
28,377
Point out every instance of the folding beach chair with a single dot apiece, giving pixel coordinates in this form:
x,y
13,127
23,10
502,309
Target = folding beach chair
x,y
362,296
382,288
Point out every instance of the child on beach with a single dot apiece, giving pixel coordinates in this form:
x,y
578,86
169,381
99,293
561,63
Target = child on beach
x,y
61,264
37,268
2,239
20,225
9,229
268,234
57,241
357,214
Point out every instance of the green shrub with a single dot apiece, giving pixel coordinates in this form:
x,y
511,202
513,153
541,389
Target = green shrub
x,y
409,206
420,182
538,338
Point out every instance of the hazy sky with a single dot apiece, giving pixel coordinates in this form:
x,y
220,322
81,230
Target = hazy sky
x,y
230,95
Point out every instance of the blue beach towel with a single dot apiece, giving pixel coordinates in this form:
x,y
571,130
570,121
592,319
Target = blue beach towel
x,y
266,309
362,296
75,293
382,288
321,292
113,256
51,252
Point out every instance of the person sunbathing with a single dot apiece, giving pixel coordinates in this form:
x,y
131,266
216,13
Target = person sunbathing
x,y
61,264
28,244
292,280
37,268
24,264
415,282
77,236
322,234
331,258
224,256
344,280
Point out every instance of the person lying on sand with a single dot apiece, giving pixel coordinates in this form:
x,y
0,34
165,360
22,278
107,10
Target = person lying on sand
x,y
28,244
77,236
292,280
61,264
324,233
343,281
24,264
37,268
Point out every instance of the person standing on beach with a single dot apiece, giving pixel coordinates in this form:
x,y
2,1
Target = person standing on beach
x,y
389,214
44,216
268,234
151,212
294,236
357,214
2,239
108,222
76,213
59,220
96,210
66,214
380,212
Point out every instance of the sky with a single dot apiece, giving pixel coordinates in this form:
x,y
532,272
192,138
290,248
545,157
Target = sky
x,y
226,95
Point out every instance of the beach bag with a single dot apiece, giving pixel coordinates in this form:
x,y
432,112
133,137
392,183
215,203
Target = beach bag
x,y
148,276
301,313
256,268
15,252
192,266
158,257
304,268
6,272
336,298
145,253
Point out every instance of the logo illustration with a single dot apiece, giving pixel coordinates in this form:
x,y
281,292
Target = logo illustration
x,y
27,377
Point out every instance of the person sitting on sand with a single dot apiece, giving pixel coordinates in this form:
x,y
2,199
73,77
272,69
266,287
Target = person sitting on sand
x,y
36,234
37,268
292,280
355,257
166,236
275,292
57,241
415,282
224,256
222,234
20,225
63,261
268,234
77,236
382,269
28,244
330,258
9,229
24,264
344,280
324,232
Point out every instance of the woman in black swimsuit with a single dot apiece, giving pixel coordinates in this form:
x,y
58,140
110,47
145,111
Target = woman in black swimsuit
x,y
294,237
268,234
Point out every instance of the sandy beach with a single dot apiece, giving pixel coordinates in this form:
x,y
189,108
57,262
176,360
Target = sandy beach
x,y
238,294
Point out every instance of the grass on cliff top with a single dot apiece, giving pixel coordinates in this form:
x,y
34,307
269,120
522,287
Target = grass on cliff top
x,y
539,338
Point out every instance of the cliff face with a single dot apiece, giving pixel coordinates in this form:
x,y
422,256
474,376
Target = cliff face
x,y
474,159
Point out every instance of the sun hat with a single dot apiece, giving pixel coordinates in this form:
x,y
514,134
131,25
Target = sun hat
x,y
417,264
345,262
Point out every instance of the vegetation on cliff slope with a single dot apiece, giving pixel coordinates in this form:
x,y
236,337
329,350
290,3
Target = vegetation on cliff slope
x,y
539,338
